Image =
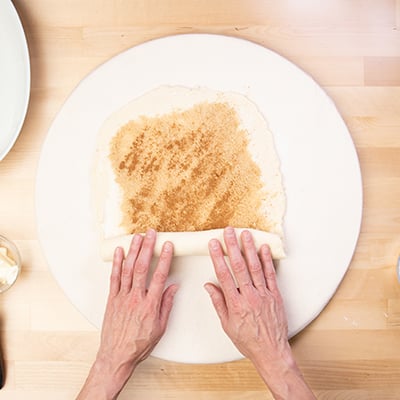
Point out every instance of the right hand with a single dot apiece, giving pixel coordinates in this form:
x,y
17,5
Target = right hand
x,y
253,314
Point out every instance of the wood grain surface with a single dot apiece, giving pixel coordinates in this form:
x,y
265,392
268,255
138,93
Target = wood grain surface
x,y
352,49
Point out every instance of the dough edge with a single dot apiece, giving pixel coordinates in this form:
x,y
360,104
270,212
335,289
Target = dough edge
x,y
185,243
194,243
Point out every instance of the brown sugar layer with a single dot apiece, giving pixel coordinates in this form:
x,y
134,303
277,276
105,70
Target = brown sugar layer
x,y
187,171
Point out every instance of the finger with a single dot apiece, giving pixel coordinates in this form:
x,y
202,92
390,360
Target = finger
x,y
142,264
218,300
253,261
134,249
160,275
269,269
224,276
236,259
115,278
167,302
127,266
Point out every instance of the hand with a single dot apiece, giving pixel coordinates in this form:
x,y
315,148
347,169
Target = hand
x,y
135,318
253,314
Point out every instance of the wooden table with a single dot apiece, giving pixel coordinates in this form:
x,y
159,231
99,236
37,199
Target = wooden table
x,y
352,49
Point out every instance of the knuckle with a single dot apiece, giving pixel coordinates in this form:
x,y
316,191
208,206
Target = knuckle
x,y
151,305
248,287
224,275
238,265
256,302
255,266
114,278
141,267
136,298
231,240
265,249
126,273
164,257
236,305
159,277
270,276
166,252
263,293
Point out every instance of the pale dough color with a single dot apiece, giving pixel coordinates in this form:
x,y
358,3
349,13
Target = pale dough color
x,y
194,243
166,99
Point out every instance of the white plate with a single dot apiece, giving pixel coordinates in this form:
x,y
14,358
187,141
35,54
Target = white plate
x,y
14,76
319,165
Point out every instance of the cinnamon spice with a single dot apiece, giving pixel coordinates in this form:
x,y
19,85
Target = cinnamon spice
x,y
187,171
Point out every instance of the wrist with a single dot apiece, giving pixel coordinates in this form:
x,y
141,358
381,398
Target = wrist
x,y
271,366
282,375
105,380
111,376
279,354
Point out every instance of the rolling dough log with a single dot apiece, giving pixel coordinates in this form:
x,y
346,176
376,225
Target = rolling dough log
x,y
193,243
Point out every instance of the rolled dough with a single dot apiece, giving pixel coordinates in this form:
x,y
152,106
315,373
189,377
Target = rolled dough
x,y
193,243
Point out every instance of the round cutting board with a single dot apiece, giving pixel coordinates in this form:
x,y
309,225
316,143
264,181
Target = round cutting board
x,y
319,166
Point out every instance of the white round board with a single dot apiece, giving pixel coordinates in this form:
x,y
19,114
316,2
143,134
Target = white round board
x,y
14,76
319,165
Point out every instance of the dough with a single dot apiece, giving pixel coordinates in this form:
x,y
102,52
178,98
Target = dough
x,y
193,243
108,195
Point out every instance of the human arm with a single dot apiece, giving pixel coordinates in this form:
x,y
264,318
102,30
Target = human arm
x,y
135,318
253,315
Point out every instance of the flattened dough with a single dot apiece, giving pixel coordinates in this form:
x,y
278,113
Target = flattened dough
x,y
107,195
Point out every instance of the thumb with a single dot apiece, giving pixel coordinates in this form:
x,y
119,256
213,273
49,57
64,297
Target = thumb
x,y
166,304
218,300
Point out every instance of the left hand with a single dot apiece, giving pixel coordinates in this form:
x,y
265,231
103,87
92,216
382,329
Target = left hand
x,y
135,318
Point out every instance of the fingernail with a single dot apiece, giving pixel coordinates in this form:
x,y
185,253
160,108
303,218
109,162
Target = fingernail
x,y
265,249
167,247
150,233
137,238
207,288
229,230
214,244
119,251
175,289
246,235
